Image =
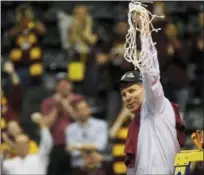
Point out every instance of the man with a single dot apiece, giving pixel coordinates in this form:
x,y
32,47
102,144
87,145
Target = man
x,y
27,53
26,163
152,143
118,134
86,140
58,113
8,145
10,102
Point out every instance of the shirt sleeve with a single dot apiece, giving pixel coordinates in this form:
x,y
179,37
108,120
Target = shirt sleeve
x,y
102,136
46,107
153,91
131,171
46,142
71,141
6,166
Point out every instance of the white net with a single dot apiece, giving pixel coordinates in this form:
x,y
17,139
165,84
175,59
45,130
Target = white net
x,y
140,22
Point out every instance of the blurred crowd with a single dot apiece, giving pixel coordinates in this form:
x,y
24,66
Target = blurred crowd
x,y
60,61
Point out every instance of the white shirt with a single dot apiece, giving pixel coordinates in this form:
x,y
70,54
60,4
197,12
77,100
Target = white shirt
x,y
95,132
157,139
32,163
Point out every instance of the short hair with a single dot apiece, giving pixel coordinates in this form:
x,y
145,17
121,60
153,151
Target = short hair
x,y
62,76
127,84
77,100
76,7
22,135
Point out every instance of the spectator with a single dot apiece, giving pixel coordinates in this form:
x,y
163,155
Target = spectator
x,y
195,25
174,63
118,133
82,39
27,52
97,80
8,145
11,104
58,114
200,20
196,59
118,65
160,9
80,34
26,163
86,140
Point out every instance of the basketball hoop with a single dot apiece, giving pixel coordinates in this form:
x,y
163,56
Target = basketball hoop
x,y
140,20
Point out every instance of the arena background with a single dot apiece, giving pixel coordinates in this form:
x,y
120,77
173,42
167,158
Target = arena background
x,y
95,65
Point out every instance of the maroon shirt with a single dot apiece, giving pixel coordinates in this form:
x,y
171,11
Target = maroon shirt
x,y
12,108
62,121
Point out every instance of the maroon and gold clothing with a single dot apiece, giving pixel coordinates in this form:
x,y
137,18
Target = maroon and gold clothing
x,y
11,106
7,113
118,149
27,51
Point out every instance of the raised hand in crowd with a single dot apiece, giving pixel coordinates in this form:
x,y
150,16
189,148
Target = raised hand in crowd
x,y
64,104
38,119
9,68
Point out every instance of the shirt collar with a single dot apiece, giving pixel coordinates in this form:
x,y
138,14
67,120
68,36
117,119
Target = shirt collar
x,y
88,123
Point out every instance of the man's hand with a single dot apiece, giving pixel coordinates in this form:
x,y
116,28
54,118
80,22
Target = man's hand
x,y
87,147
198,138
92,159
83,148
97,156
66,105
8,67
7,140
74,148
38,119
58,98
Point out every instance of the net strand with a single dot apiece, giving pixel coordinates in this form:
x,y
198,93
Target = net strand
x,y
140,21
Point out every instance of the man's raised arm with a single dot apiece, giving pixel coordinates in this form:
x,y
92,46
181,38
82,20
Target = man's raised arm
x,y
154,94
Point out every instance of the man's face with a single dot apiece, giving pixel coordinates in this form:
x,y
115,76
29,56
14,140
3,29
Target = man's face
x,y
81,12
83,110
22,145
132,96
64,87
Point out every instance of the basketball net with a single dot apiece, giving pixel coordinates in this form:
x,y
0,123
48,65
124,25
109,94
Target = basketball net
x,y
140,21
